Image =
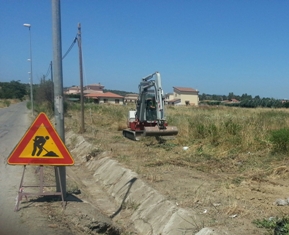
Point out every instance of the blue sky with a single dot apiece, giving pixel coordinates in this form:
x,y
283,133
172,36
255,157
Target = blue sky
x,y
214,46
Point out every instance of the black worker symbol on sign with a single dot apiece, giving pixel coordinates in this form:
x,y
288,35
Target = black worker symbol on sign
x,y
39,142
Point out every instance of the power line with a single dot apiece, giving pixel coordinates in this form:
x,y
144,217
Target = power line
x,y
74,41
48,70
69,49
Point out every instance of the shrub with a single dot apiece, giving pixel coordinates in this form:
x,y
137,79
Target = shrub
x,y
28,104
231,127
201,130
280,140
7,103
213,132
45,107
280,226
73,106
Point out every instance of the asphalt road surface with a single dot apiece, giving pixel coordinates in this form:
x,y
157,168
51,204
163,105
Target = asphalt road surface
x,y
14,121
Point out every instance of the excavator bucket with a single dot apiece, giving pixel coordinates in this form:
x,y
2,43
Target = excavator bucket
x,y
155,131
150,131
133,135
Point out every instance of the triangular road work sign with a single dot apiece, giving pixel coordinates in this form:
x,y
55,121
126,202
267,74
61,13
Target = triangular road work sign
x,y
41,145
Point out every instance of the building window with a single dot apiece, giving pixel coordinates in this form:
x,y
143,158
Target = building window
x,y
105,101
117,101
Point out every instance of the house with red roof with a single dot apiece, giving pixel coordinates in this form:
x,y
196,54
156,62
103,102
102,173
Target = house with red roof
x,y
183,96
96,94
103,98
131,98
93,88
231,101
72,90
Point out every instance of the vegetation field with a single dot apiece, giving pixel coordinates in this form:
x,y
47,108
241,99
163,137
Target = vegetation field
x,y
7,102
233,175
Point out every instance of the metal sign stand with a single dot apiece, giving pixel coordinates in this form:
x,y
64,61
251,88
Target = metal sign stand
x,y
21,192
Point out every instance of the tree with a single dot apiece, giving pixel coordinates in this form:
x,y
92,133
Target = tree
x,y
286,105
12,90
224,97
45,93
215,97
246,97
203,96
231,96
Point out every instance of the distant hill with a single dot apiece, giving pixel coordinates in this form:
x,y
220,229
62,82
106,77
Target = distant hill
x,y
122,93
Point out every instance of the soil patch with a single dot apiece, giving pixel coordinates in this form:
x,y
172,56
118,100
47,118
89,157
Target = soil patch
x,y
221,192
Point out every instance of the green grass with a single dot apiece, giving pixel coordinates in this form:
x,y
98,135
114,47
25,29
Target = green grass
x,y
280,140
276,226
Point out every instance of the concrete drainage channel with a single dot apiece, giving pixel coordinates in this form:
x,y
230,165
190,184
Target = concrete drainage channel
x,y
153,213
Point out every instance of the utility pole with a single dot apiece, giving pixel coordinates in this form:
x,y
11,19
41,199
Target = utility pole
x,y
58,88
81,78
51,71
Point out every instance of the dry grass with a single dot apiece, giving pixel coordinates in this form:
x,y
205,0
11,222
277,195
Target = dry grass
x,y
213,135
7,102
228,162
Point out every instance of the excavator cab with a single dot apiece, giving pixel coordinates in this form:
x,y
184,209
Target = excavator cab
x,y
151,111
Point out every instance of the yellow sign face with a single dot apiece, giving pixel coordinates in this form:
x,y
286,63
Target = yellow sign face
x,y
41,145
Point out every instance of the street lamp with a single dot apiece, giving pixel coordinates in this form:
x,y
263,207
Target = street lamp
x,y
31,77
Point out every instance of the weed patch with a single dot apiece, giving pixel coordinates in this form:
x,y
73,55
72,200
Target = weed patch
x,y
276,226
93,154
280,140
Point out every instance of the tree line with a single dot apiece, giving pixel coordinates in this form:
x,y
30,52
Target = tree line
x,y
13,90
245,100
43,93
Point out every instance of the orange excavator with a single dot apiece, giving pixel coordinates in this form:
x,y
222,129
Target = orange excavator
x,y
149,117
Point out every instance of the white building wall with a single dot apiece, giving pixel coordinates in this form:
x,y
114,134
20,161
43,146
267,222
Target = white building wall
x,y
170,97
192,98
110,101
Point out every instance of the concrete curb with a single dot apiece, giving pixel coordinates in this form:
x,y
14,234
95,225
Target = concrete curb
x,y
153,213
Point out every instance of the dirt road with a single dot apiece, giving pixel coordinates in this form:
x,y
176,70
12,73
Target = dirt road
x,y
14,121
37,215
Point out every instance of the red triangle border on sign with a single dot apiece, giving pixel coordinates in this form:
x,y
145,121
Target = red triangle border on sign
x,y
15,159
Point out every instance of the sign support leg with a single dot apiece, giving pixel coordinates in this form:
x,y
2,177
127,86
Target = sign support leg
x,y
60,185
41,186
20,190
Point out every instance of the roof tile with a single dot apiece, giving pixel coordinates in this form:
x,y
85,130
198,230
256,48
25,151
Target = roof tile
x,y
187,89
103,95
